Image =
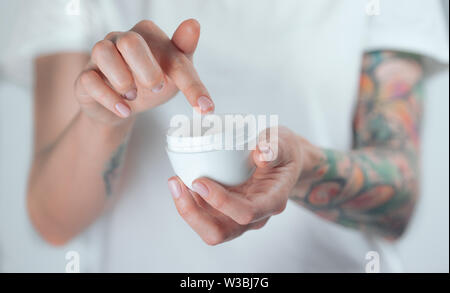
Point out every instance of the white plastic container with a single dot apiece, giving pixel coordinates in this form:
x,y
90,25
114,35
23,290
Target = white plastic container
x,y
209,153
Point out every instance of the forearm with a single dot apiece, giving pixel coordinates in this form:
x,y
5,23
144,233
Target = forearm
x,y
72,179
374,186
372,189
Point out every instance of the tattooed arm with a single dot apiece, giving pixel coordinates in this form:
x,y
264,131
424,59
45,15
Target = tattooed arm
x,y
375,186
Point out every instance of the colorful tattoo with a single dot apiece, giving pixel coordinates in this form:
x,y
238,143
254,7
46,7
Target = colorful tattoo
x,y
375,186
112,168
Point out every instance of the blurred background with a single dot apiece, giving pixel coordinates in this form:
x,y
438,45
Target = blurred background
x,y
425,247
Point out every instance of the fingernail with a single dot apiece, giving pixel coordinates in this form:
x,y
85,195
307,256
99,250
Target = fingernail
x,y
123,110
175,188
205,104
266,156
200,189
131,95
158,88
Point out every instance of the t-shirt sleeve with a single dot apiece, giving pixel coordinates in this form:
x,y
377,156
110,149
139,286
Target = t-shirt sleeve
x,y
413,26
44,27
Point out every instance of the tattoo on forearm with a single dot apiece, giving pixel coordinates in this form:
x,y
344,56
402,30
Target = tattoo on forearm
x,y
374,187
112,169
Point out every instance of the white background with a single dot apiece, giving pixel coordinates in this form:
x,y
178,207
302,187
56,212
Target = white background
x,y
425,247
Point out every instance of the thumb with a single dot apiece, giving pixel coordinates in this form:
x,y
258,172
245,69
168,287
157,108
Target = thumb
x,y
270,151
186,37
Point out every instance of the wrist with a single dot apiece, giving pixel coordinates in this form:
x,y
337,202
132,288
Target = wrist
x,y
311,156
117,130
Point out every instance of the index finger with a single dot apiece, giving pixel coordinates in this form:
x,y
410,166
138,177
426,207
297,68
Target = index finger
x,y
242,209
231,204
176,65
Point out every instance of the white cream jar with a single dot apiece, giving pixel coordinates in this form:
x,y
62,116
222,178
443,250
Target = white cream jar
x,y
212,147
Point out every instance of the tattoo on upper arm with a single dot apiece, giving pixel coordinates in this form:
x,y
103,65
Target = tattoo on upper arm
x,y
374,186
112,169
390,104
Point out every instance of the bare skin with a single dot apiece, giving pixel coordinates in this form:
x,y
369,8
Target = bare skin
x,y
80,141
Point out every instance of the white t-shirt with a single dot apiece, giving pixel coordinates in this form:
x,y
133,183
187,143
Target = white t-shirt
x,y
298,59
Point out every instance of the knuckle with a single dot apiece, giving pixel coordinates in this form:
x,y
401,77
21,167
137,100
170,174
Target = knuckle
x,y
260,225
179,62
215,237
100,48
152,80
247,217
184,212
125,83
145,24
87,77
220,201
129,40
210,241
194,88
280,208
104,97
111,36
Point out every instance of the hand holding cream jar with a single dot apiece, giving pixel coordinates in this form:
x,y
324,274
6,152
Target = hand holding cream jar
x,y
218,147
